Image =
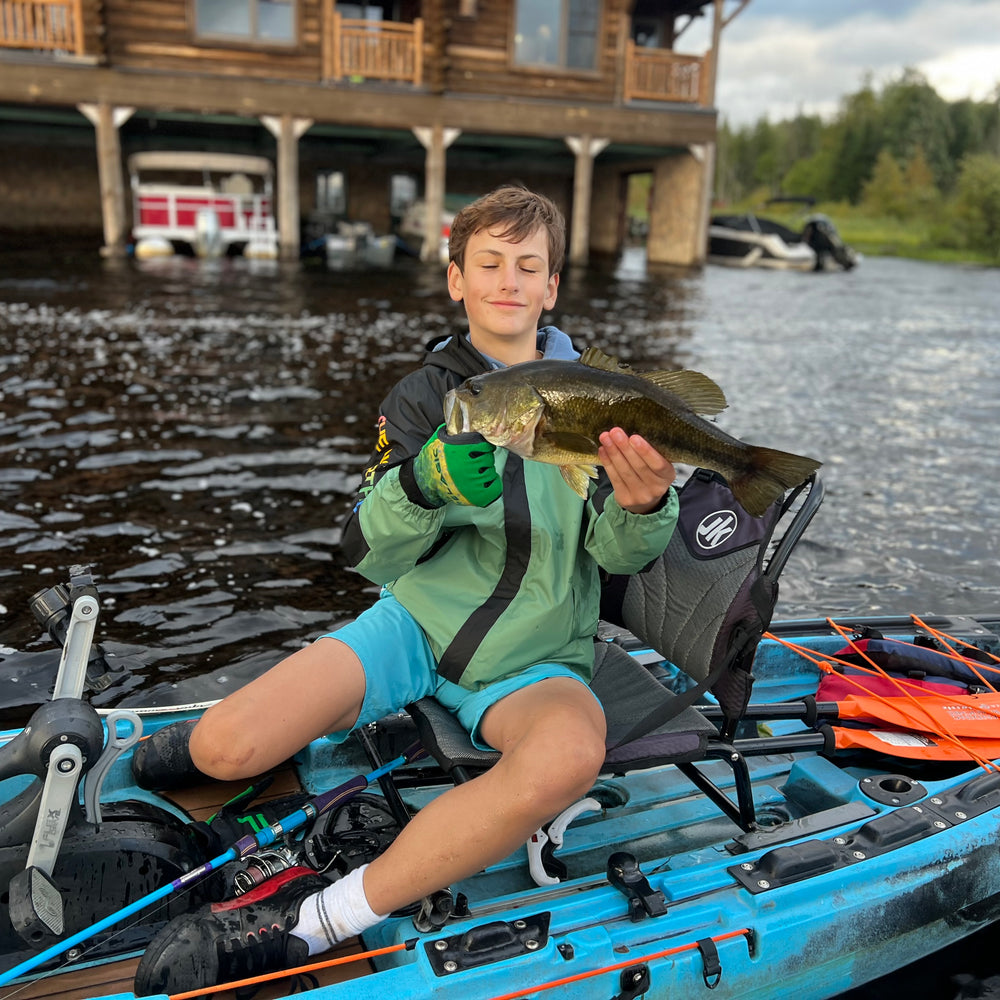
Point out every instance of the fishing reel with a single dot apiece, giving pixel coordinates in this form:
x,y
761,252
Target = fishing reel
x,y
353,835
257,868
337,842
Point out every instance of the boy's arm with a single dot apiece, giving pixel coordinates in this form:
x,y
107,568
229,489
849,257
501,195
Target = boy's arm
x,y
390,525
416,471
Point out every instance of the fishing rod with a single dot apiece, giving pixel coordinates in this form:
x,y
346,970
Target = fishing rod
x,y
244,847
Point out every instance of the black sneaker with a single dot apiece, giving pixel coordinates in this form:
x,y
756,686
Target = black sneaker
x,y
163,761
223,942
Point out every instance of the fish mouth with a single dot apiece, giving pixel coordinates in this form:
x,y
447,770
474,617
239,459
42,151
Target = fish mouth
x,y
456,414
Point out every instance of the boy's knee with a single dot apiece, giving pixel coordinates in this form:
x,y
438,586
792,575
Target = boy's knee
x,y
566,773
586,760
222,751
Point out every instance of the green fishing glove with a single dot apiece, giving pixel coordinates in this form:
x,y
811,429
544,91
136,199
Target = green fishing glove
x,y
457,468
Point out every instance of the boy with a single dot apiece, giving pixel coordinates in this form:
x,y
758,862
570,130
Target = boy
x,y
489,567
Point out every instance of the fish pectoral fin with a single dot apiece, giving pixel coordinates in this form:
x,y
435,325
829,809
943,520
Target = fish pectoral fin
x,y
578,477
695,390
574,442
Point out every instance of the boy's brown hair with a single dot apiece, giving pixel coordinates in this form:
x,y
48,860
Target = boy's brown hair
x,y
513,213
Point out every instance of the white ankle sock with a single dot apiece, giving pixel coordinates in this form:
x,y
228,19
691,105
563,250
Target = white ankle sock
x,y
339,912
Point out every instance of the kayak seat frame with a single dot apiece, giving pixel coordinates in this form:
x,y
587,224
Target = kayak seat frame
x,y
702,612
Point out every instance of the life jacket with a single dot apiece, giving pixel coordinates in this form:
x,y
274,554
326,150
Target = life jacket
x,y
922,664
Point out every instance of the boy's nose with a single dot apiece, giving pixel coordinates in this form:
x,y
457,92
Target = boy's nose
x,y
508,276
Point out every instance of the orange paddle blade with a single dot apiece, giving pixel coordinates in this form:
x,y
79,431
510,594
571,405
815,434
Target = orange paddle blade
x,y
916,746
966,715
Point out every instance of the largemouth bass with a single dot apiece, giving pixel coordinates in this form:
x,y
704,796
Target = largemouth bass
x,y
555,412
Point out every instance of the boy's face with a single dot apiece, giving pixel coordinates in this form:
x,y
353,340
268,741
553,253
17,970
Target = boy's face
x,y
505,286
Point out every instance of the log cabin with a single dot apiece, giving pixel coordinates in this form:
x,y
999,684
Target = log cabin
x,y
367,109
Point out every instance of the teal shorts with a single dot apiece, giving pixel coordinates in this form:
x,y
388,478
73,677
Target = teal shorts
x,y
400,668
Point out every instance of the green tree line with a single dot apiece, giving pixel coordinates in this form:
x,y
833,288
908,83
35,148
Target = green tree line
x,y
901,154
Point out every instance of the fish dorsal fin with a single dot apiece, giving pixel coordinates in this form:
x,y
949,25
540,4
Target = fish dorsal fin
x,y
594,357
697,391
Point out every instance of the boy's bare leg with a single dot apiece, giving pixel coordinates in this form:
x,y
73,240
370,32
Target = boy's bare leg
x,y
317,690
551,736
552,739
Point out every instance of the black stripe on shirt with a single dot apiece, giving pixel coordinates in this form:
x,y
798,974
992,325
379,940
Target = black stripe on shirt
x,y
517,533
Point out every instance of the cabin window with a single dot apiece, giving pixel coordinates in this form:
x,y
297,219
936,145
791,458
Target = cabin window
x,y
557,33
269,21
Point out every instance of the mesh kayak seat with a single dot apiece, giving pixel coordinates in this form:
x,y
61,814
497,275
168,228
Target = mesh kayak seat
x,y
702,606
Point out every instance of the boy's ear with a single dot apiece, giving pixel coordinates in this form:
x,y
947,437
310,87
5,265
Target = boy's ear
x,y
551,291
455,282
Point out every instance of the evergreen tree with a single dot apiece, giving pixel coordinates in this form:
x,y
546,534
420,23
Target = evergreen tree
x,y
857,139
915,117
885,192
978,202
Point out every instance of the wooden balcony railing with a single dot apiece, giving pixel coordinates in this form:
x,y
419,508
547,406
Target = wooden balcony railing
x,y
49,25
663,75
372,50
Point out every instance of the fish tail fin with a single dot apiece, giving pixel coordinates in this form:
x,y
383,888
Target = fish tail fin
x,y
769,473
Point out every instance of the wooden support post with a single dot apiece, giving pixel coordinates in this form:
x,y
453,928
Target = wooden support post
x,y
435,141
676,235
585,149
706,153
107,120
288,130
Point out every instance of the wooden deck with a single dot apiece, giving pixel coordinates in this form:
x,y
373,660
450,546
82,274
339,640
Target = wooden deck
x,y
42,25
355,49
117,977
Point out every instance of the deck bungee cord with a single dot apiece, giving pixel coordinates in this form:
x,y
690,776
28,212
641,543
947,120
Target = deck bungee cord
x,y
244,847
950,642
299,970
625,964
978,708
409,945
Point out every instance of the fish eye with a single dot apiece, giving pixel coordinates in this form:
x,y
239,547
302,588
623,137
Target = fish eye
x,y
475,388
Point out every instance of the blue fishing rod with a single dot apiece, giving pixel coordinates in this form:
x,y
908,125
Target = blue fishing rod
x,y
243,848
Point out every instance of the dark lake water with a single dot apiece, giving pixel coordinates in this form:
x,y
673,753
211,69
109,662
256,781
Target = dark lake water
x,y
194,433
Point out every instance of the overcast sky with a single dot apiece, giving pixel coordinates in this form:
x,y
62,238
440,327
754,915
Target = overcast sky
x,y
780,57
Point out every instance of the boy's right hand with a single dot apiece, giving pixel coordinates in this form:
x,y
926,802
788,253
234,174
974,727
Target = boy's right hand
x,y
457,468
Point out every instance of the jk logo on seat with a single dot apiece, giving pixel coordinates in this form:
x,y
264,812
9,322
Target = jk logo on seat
x,y
715,528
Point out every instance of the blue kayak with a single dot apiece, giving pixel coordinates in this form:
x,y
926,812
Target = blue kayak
x,y
802,865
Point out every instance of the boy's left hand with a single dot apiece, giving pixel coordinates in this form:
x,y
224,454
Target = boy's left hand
x,y
639,474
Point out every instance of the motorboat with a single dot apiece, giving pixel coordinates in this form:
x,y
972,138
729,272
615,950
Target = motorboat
x,y
355,244
748,240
